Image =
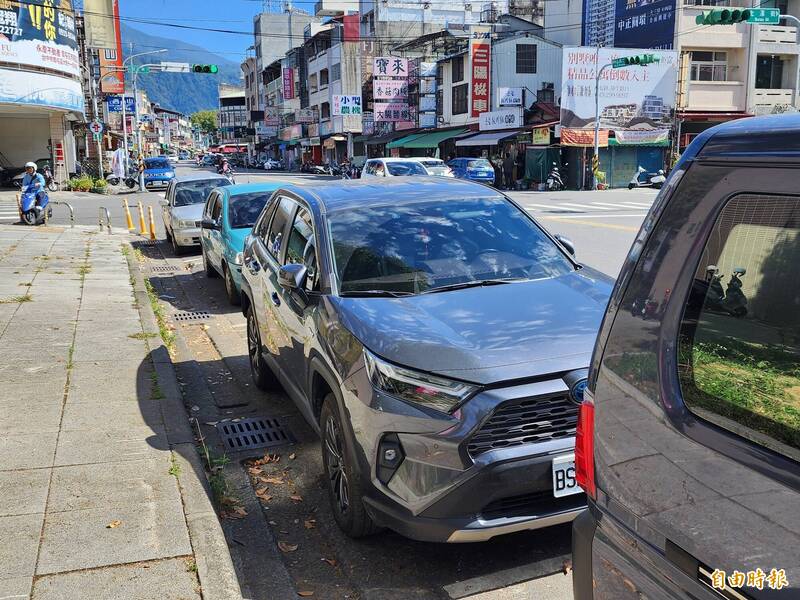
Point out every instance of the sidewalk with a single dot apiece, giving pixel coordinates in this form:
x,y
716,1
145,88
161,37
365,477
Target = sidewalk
x,y
93,502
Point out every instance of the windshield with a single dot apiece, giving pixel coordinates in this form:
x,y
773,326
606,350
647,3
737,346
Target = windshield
x,y
156,163
196,192
421,246
398,169
243,209
481,163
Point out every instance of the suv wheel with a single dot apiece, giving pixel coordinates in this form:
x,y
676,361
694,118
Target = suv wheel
x,y
259,369
230,287
345,490
211,272
176,249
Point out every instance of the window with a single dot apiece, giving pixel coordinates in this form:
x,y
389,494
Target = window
x,y
216,208
196,192
769,72
301,249
526,58
709,66
458,69
312,82
740,333
243,209
336,72
282,215
460,99
323,78
261,228
325,110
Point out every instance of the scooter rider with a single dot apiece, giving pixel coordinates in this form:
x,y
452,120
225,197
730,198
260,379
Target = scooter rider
x,y
33,181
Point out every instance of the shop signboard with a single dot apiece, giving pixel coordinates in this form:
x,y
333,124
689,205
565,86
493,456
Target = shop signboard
x,y
346,105
272,116
643,97
641,136
115,104
427,69
288,83
480,58
427,86
39,89
503,118
427,103
509,96
314,141
313,130
427,120
325,128
389,66
305,115
391,111
541,136
39,34
112,78
367,124
390,89
292,132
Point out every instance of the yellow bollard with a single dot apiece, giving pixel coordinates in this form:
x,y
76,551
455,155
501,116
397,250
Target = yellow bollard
x,y
142,226
128,215
152,223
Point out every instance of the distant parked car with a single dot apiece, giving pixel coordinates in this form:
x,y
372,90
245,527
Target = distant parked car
x,y
158,172
392,167
474,169
272,164
436,166
228,218
183,155
183,207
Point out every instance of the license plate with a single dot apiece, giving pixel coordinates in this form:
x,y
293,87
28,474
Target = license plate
x,y
564,483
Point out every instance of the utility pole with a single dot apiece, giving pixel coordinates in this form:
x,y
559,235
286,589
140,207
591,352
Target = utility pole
x,y
95,112
124,112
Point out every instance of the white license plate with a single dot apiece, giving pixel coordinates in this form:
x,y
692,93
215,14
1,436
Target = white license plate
x,y
564,483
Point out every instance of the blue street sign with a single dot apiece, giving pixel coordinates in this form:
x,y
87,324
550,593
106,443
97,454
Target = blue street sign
x,y
115,104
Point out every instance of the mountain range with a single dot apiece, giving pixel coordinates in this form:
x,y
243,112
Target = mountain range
x,y
184,92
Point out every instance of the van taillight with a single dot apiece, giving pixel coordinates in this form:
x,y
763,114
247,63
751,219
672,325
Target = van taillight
x,y
584,448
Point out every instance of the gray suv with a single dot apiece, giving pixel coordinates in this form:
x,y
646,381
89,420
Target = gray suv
x,y
438,339
688,441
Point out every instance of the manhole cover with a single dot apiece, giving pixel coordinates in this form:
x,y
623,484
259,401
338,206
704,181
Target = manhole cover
x,y
162,269
191,315
253,433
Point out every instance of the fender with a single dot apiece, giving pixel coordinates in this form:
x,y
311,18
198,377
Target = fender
x,y
246,293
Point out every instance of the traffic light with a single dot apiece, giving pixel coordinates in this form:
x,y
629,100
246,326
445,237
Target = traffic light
x,y
727,16
640,60
205,69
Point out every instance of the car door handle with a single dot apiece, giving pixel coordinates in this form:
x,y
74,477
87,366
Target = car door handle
x,y
276,300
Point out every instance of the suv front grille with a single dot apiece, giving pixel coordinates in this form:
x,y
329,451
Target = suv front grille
x,y
525,421
533,504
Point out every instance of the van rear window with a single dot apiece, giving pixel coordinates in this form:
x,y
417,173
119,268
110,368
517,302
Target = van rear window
x,y
739,350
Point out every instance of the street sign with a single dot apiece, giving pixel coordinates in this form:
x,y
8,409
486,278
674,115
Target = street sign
x,y
771,16
132,69
96,127
175,67
97,136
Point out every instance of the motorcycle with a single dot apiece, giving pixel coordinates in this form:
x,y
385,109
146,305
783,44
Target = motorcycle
x,y
48,179
554,182
131,181
320,170
227,171
653,180
33,207
735,301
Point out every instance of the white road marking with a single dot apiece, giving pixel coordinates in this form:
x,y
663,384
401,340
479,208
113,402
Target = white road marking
x,y
603,216
547,206
585,206
625,206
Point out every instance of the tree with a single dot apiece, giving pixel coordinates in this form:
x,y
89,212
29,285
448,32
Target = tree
x,y
206,120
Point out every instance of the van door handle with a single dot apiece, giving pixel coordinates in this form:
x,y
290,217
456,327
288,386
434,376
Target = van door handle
x,y
276,300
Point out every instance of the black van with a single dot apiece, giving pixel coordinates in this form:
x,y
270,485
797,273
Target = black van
x,y
688,442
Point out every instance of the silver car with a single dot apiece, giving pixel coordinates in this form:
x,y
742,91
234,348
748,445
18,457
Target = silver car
x,y
182,207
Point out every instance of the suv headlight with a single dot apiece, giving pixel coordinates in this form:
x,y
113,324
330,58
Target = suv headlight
x,y
432,391
185,224
238,259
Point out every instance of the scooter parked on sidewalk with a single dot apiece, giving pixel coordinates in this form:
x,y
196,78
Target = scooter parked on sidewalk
x,y
644,179
554,182
33,207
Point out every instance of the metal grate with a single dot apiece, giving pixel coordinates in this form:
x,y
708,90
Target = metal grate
x,y
535,503
254,433
526,421
191,315
162,269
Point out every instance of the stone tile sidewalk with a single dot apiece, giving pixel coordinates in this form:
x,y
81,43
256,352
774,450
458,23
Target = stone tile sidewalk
x,y
90,500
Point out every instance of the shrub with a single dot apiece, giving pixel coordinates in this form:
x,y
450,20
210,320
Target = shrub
x,y
100,186
84,183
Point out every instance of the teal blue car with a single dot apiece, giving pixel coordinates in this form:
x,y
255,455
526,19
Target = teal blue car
x,y
228,217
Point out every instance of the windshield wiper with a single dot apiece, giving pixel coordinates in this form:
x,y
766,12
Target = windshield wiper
x,y
374,293
472,284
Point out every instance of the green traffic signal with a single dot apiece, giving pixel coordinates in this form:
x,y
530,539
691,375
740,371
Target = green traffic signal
x,y
640,60
727,16
205,69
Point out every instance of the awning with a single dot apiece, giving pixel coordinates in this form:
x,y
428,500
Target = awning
x,y
433,139
488,139
383,139
401,142
660,144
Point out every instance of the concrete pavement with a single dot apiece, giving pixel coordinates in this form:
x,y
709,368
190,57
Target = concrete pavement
x,y
91,502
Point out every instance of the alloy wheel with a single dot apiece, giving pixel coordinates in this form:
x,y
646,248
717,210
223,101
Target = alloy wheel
x,y
253,346
336,465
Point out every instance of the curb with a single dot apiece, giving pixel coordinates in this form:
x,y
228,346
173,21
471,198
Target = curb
x,y
218,579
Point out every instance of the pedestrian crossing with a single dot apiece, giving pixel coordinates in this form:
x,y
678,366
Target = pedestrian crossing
x,y
628,206
9,213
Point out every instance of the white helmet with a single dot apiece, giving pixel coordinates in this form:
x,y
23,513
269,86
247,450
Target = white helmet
x,y
32,165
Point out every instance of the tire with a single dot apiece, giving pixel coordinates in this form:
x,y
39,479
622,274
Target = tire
x,y
230,288
631,186
211,272
29,217
178,250
345,490
52,186
262,375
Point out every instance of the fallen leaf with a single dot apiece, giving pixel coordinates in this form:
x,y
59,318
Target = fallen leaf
x,y
255,471
292,456
262,493
330,561
113,524
272,480
235,513
305,593
566,566
287,547
296,497
310,523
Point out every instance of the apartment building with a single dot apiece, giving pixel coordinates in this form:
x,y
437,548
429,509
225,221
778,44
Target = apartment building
x,y
232,115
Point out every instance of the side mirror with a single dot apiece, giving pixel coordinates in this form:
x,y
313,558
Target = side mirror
x,y
209,224
567,243
292,277
164,202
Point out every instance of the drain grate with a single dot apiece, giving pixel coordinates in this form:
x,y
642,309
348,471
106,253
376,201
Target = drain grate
x,y
254,433
191,315
162,269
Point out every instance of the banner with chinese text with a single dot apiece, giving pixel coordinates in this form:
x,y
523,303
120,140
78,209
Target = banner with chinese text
x,y
583,137
389,66
480,57
288,83
346,105
389,89
391,111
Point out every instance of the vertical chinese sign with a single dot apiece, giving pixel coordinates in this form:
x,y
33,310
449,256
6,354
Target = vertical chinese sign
x,y
390,89
112,78
288,83
480,60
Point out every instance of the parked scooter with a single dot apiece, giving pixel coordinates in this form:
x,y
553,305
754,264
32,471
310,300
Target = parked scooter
x,y
130,181
48,179
735,301
644,179
554,182
33,209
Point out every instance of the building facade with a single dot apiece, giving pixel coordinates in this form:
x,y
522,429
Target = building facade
x,y
232,114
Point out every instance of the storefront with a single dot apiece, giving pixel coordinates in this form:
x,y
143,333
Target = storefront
x,y
425,143
620,162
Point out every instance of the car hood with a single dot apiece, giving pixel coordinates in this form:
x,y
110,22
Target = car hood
x,y
192,212
236,238
490,334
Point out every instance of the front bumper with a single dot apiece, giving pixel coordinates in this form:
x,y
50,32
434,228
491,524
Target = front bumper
x,y
189,236
156,182
445,490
